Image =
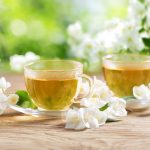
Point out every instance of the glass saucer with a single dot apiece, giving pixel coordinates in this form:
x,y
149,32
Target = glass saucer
x,y
39,113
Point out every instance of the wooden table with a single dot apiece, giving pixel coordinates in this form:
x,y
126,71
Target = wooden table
x,y
21,132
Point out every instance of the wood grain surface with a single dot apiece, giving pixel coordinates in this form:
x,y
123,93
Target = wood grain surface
x,y
21,132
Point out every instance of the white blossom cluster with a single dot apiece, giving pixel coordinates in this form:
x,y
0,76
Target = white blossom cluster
x,y
4,99
101,106
17,62
117,35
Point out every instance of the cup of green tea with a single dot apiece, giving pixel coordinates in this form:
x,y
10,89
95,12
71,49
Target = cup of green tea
x,y
55,84
124,71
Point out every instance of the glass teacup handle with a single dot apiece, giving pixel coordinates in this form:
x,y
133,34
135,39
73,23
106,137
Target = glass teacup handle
x,y
88,94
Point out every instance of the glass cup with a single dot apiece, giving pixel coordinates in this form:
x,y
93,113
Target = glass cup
x,y
55,84
124,71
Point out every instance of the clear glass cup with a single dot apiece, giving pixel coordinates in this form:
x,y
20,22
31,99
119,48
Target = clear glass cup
x,y
123,71
55,84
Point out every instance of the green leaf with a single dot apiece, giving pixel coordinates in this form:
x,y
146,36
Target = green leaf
x,y
141,30
146,41
25,100
128,97
145,51
142,1
104,107
143,21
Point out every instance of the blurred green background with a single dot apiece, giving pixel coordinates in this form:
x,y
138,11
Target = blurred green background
x,y
40,25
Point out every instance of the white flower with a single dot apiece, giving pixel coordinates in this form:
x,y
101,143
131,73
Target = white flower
x,y
84,87
103,93
116,109
75,31
136,11
85,118
75,119
4,85
30,56
129,36
94,117
12,99
17,62
141,92
6,100
3,103
89,46
82,45
98,83
107,40
113,23
101,90
92,102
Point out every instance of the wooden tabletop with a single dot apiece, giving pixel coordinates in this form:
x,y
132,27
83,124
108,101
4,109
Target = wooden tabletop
x,y
21,132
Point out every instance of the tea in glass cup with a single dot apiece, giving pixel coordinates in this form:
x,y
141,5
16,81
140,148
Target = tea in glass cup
x,y
124,71
54,84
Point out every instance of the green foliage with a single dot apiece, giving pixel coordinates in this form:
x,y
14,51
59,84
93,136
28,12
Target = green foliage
x,y
40,25
31,25
146,42
104,107
142,1
25,100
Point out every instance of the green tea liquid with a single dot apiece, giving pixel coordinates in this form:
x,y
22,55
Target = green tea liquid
x,y
122,80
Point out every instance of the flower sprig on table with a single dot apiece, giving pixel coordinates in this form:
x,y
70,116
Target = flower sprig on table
x,y
20,97
101,106
6,100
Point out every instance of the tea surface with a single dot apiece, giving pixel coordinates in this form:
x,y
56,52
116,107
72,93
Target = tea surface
x,y
122,80
52,94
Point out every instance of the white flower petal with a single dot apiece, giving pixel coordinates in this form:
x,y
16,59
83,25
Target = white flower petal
x,y
75,31
101,90
84,87
30,56
136,11
12,99
3,103
4,85
93,123
116,109
85,118
116,115
17,62
3,106
74,119
92,102
3,97
141,92
94,117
